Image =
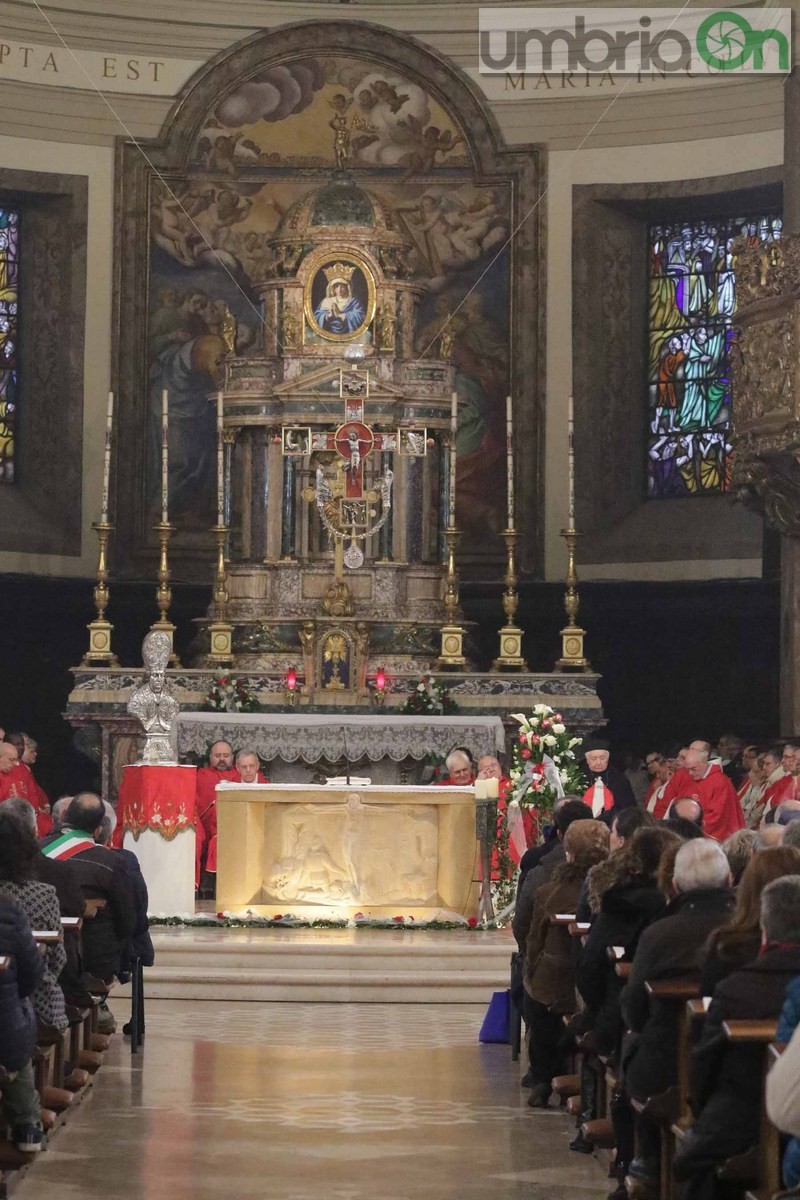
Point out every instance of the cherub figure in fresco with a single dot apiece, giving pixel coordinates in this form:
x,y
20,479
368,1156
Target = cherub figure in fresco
x,y
387,94
172,222
341,129
428,143
213,227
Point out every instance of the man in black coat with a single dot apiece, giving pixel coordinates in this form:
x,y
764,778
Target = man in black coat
x,y
101,875
671,948
727,1078
609,790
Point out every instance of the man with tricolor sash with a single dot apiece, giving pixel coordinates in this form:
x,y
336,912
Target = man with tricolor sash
x,y
101,875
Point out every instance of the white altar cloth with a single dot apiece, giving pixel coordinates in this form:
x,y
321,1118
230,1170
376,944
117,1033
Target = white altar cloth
x,y
311,736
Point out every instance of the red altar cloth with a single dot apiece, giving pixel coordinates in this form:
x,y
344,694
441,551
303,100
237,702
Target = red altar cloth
x,y
160,798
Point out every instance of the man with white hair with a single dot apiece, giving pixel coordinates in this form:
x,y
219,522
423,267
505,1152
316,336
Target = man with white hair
x,y
716,795
459,769
670,948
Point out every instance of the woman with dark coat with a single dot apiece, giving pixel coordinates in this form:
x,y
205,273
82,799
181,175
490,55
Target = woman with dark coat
x,y
549,971
737,943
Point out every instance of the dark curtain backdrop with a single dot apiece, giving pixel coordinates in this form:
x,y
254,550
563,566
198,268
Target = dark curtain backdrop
x,y
678,660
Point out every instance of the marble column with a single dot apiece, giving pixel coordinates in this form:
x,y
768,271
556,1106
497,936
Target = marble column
x,y
259,493
385,535
415,510
288,513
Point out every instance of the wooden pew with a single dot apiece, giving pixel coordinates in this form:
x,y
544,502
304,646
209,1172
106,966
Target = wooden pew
x,y
665,1109
763,1164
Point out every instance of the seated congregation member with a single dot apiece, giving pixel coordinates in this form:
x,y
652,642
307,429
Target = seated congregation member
x,y
248,767
783,1101
661,772
628,899
572,810
670,948
101,874
716,795
19,1100
460,772
726,1080
19,853
739,848
531,858
770,836
623,827
737,942
687,809
609,791
140,945
70,902
549,973
220,766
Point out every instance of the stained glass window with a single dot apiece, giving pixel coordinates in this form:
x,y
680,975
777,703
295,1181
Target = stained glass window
x,y
692,297
9,251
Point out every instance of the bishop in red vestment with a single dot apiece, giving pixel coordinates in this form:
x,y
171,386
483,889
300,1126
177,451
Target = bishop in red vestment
x,y
713,790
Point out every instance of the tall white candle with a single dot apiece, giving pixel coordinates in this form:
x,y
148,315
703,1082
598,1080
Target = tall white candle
x,y
220,465
107,458
164,456
571,472
451,513
510,462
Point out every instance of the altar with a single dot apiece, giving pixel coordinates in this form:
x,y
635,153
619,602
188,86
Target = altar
x,y
324,851
297,746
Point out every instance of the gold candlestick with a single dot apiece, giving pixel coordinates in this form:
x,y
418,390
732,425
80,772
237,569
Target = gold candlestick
x,y
510,656
452,647
99,652
572,656
220,630
164,592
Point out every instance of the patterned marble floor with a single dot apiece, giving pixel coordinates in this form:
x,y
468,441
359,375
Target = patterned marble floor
x,y
311,1101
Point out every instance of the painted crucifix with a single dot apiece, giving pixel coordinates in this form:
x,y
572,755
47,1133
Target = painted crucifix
x,y
344,503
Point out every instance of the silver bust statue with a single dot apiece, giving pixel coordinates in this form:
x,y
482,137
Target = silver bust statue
x,y
153,703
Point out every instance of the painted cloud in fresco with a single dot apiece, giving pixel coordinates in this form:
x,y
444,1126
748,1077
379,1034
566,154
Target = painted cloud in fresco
x,y
272,95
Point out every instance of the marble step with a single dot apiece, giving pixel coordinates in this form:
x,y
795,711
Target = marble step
x,y
326,966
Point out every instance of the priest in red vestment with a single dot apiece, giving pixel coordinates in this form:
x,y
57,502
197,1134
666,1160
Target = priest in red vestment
x,y
16,779
779,785
460,770
713,790
220,766
247,766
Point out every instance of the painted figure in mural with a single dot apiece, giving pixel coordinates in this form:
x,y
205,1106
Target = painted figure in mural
x,y
187,362
670,384
340,312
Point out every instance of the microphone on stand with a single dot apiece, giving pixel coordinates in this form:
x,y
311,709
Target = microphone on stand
x,y
346,755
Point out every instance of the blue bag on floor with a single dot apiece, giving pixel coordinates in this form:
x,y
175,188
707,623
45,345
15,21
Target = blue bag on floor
x,y
495,1023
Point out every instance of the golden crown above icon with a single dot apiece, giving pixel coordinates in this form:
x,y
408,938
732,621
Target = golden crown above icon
x,y
338,271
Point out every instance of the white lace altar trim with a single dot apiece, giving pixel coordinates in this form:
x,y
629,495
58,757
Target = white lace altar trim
x,y
292,737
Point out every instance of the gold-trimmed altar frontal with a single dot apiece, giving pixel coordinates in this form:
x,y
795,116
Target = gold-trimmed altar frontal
x,y
341,850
